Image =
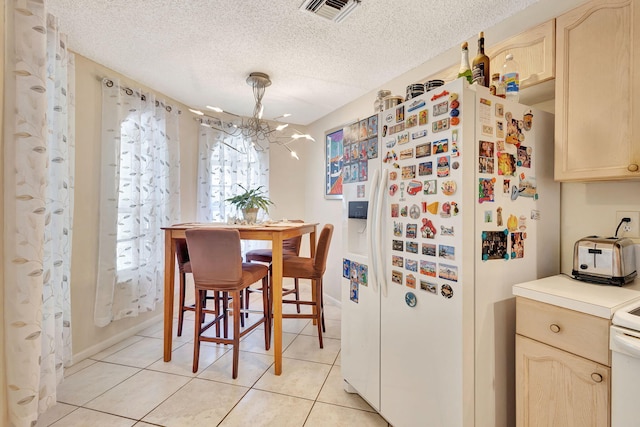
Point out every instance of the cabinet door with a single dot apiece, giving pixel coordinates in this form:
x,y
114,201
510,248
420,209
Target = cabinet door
x,y
597,92
556,388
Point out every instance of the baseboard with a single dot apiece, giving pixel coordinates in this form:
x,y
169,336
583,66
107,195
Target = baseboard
x,y
85,354
331,300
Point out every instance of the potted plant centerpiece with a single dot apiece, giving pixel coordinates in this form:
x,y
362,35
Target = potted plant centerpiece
x,y
250,202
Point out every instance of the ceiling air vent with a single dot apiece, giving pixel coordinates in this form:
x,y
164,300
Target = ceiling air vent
x,y
333,10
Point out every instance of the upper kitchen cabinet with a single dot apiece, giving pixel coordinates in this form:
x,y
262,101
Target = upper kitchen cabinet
x,y
598,92
533,50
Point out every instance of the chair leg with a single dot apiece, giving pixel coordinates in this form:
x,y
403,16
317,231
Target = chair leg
x,y
196,337
297,293
322,305
266,307
236,335
225,313
181,303
240,306
247,299
317,285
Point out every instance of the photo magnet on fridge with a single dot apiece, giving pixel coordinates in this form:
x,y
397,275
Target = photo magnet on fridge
x,y
411,247
363,274
346,268
428,249
494,245
524,156
397,261
411,265
448,272
429,287
427,268
396,277
486,189
517,245
354,291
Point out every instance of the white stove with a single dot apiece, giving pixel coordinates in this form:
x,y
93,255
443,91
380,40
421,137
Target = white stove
x,y
624,342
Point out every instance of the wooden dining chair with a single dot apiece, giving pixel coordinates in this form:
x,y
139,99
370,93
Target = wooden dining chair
x,y
289,247
216,263
184,267
299,267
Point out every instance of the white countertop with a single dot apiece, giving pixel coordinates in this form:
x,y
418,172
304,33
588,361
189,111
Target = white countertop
x,y
590,298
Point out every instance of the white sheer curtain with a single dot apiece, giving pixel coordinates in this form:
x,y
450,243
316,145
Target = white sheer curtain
x,y
223,163
38,206
140,182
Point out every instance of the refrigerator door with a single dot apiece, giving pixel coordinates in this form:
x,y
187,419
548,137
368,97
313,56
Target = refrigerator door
x,y
360,343
427,341
516,237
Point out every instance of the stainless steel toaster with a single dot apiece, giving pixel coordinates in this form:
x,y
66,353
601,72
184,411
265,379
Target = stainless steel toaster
x,y
606,260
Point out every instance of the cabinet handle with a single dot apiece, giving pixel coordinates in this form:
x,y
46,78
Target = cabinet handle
x,y
554,328
596,377
632,167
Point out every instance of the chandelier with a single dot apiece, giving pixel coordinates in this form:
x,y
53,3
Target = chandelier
x,y
255,130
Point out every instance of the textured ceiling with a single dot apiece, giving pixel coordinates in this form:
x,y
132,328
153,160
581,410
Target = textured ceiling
x,y
200,52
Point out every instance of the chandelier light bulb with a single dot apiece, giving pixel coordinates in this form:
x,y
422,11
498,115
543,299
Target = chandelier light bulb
x,y
295,155
198,112
216,109
281,127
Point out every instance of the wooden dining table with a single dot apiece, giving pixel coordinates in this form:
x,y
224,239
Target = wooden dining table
x,y
275,232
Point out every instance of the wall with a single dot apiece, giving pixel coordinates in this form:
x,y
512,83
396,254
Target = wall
x,y
87,338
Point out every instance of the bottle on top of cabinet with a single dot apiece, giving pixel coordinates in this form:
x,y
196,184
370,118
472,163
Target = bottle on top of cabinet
x,y
511,78
465,68
481,72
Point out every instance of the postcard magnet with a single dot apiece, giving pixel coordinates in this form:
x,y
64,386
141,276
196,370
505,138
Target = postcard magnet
x,y
447,231
449,188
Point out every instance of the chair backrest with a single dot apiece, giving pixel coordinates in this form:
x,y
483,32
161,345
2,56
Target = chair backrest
x,y
322,250
215,255
293,244
181,252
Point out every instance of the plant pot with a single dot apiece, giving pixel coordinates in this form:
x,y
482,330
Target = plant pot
x,y
250,215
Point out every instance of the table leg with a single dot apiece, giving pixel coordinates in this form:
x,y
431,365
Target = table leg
x,y
276,266
169,273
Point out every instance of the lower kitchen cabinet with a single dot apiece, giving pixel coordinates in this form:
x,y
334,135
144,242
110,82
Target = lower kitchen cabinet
x,y
558,388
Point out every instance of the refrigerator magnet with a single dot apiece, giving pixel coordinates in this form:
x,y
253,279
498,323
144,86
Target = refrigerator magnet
x,y
455,121
446,210
403,211
354,291
412,121
395,210
430,187
528,121
409,172
441,146
512,223
397,261
446,291
443,166
440,125
414,212
455,165
433,207
425,168
403,138
427,268
448,272
411,247
397,228
517,245
415,105
524,156
353,273
440,108
406,154
499,217
441,94
449,188
454,104
393,175
429,287
447,252
372,148
393,188
400,114
527,186
499,129
428,230
429,249
412,231
410,297
414,188
373,125
454,112
454,208
499,110
402,186
535,214
397,245
423,150
486,189
396,277
447,231
423,117
494,245
411,265
363,274
419,134
390,143
346,268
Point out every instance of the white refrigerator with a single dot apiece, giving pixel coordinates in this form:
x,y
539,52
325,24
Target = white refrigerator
x,y
458,205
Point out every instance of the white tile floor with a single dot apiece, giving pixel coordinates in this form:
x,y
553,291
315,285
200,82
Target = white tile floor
x,y
129,384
